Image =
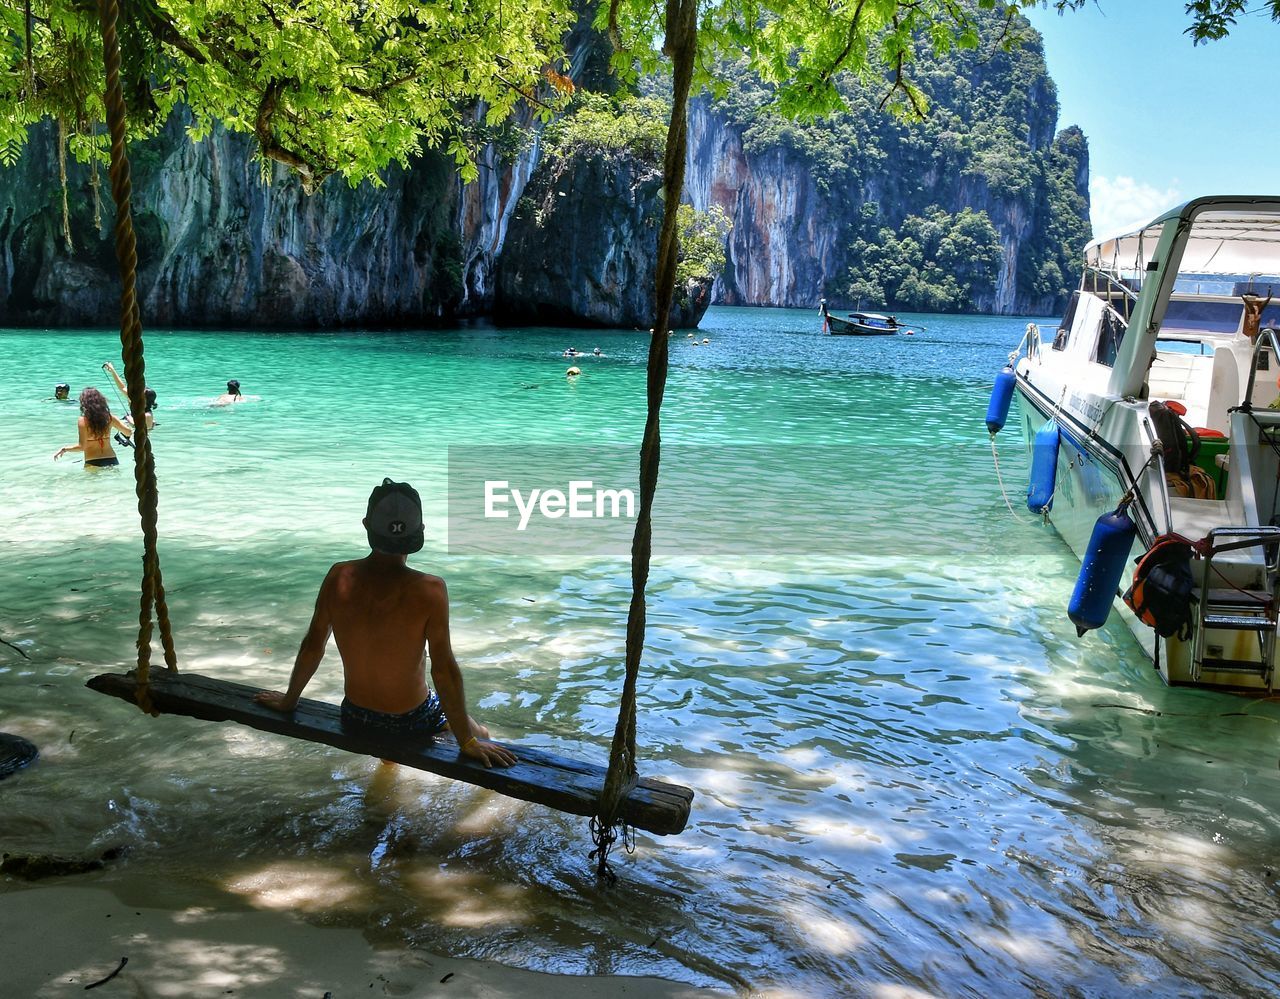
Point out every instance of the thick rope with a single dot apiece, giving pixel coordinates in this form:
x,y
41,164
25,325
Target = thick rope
x,y
134,365
681,47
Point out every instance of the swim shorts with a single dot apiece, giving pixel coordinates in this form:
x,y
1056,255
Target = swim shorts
x,y
426,719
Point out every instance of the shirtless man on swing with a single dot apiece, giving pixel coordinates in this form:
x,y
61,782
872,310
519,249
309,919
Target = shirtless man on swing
x,y
384,617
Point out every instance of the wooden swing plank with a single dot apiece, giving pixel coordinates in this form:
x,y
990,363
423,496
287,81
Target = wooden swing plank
x,y
568,785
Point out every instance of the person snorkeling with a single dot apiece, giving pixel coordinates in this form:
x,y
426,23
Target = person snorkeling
x,y
94,430
149,394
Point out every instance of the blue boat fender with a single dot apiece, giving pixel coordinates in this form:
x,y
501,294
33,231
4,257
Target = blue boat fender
x,y
1001,397
1044,468
1104,563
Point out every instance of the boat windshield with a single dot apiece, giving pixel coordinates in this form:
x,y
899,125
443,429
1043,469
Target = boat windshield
x,y
1230,252
1223,249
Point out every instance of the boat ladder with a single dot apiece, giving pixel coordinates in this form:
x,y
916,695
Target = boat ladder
x,y
1227,607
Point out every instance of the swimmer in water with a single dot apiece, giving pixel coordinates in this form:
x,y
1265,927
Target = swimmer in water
x,y
598,352
94,428
573,373
149,394
61,393
232,395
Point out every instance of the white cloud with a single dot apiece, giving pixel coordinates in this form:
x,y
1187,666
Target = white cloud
x,y
1120,203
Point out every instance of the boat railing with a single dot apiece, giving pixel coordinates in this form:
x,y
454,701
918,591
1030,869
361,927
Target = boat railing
x,y
1032,341
1266,337
1110,288
1160,485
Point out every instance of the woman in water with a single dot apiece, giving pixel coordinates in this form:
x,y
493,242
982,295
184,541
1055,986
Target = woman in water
x,y
95,426
149,394
232,395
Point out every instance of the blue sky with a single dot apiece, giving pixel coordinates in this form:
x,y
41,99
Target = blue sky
x,y
1166,121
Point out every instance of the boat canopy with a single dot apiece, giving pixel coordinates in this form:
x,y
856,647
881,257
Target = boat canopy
x,y
1229,237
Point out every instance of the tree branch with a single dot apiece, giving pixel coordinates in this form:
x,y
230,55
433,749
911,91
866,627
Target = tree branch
x,y
270,145
831,70
166,32
899,83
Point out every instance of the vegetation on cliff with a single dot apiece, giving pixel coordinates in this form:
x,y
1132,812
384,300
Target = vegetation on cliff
x,y
982,164
599,123
633,128
338,86
702,236
327,86
931,263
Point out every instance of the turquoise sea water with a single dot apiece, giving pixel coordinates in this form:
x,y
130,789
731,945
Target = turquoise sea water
x,y
910,774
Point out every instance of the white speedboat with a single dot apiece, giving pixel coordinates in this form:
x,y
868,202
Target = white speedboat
x,y
1149,412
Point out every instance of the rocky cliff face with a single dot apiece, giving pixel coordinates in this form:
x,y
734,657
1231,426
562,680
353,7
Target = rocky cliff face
x,y
785,239
583,244
801,196
488,205
219,247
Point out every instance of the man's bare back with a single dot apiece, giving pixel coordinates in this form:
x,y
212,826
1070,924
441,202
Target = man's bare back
x,y
384,616
380,612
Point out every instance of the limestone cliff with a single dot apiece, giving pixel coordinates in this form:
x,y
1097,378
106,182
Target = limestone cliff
x,y
810,206
489,204
809,201
219,247
785,239
582,247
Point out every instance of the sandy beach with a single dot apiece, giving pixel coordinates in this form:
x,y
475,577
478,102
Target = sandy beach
x,y
61,940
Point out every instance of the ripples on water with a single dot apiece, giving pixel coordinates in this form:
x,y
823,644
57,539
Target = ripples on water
x,y
909,772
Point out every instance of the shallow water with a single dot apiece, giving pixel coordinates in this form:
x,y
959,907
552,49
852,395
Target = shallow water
x,y
910,773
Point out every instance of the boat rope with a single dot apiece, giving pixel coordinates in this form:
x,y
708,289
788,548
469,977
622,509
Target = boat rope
x,y
1102,415
1130,494
995,457
1057,409
153,597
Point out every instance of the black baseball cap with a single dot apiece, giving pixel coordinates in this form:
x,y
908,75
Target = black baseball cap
x,y
394,519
